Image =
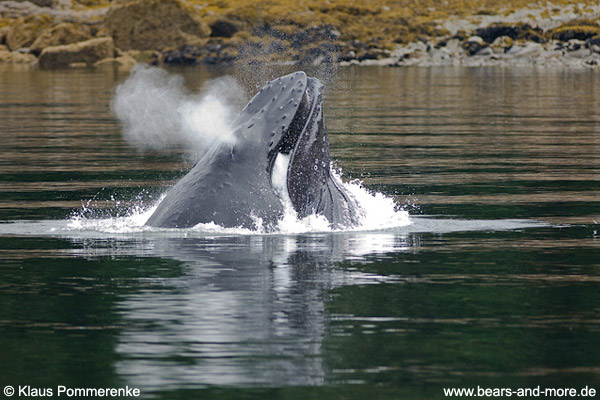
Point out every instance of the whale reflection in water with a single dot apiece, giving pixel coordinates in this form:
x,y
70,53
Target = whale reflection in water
x,y
248,310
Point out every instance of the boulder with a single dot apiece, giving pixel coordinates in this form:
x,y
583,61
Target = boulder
x,y
453,46
577,49
41,3
14,57
593,44
513,31
473,44
502,44
146,56
3,33
88,52
574,44
122,62
578,29
529,50
24,32
59,35
579,53
485,52
223,28
154,24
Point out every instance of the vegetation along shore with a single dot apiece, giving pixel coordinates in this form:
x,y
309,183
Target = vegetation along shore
x,y
86,33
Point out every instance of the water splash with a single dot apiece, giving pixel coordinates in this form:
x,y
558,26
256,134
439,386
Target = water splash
x,y
379,212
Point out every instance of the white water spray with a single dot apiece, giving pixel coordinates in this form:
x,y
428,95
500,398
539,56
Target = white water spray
x,y
157,111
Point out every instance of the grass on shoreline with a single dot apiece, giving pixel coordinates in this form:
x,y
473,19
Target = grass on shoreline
x,y
383,21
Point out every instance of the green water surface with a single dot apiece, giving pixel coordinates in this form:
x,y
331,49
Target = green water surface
x,y
400,314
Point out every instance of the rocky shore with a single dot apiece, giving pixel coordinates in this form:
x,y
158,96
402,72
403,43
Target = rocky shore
x,y
92,33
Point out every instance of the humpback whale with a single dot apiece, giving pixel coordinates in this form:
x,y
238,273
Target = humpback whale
x,y
279,158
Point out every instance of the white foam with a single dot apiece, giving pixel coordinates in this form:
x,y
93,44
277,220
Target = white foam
x,y
378,212
133,221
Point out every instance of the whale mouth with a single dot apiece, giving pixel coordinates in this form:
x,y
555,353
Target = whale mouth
x,y
279,156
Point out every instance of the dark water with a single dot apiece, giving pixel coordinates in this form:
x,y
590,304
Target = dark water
x,y
462,297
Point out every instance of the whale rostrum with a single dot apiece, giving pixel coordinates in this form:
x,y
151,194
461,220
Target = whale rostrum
x,y
279,158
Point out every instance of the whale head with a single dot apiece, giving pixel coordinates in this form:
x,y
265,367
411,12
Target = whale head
x,y
279,158
286,119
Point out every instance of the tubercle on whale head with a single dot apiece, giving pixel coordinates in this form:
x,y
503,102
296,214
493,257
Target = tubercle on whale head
x,y
270,112
290,137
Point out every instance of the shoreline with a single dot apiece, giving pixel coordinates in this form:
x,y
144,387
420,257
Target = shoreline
x,y
123,33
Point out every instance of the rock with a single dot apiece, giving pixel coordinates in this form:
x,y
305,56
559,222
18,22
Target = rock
x,y
513,31
313,35
502,44
223,28
453,46
122,62
226,55
41,3
62,34
593,44
580,52
186,55
154,24
348,56
384,62
3,33
14,57
473,44
88,52
146,56
552,55
64,11
529,50
440,55
372,54
485,52
325,52
568,32
574,44
24,32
